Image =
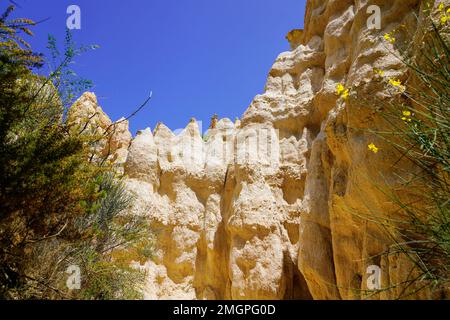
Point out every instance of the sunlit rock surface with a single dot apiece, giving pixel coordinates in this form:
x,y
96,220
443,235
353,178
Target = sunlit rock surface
x,y
259,209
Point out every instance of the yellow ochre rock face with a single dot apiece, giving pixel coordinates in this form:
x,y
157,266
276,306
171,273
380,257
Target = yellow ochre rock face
x,y
295,37
258,209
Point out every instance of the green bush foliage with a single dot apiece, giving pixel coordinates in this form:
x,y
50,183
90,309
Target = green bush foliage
x,y
57,208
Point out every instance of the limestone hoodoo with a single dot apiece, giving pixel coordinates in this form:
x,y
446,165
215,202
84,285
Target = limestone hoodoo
x,y
257,210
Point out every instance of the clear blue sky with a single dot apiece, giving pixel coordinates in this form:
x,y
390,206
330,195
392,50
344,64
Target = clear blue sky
x,y
199,57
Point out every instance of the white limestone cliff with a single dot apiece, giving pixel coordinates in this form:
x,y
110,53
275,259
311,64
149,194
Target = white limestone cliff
x,y
257,211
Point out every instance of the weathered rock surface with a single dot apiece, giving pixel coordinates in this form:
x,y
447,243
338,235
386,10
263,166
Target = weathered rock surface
x,y
87,117
263,209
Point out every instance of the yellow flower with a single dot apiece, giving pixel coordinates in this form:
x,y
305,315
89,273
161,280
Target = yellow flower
x,y
372,147
339,89
379,72
441,7
406,115
345,94
389,38
444,20
397,84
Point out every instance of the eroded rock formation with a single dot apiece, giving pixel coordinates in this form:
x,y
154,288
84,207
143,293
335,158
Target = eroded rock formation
x,y
259,209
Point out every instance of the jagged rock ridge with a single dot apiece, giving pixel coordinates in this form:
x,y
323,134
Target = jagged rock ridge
x,y
257,211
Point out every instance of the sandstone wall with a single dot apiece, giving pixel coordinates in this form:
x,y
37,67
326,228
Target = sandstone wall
x,y
263,208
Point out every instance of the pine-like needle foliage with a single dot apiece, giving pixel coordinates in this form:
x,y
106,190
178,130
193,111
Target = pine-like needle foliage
x,y
57,208
417,126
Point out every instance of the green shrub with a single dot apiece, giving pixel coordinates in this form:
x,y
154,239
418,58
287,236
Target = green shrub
x,y
57,208
416,125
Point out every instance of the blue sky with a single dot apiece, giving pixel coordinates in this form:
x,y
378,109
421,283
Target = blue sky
x,y
199,57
